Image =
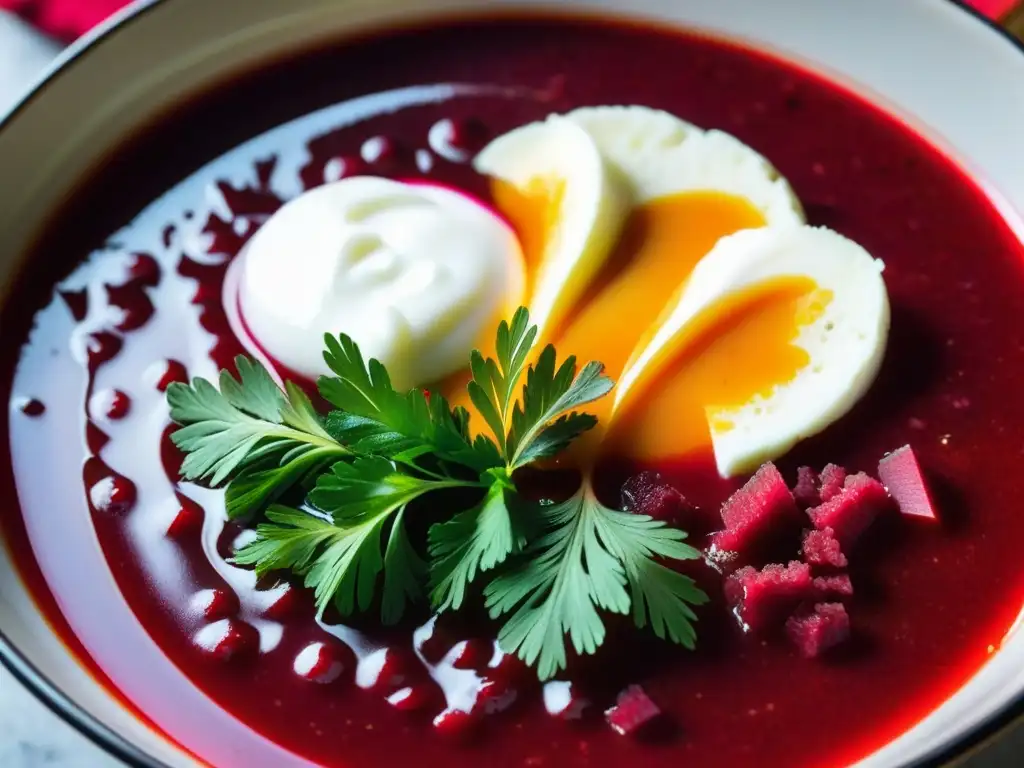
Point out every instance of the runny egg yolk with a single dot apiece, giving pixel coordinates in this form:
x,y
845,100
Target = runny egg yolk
x,y
740,348
744,345
533,213
661,243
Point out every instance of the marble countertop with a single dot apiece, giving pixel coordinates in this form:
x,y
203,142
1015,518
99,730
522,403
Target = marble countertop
x,y
30,735
33,737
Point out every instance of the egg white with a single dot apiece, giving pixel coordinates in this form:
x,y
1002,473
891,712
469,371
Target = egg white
x,y
845,344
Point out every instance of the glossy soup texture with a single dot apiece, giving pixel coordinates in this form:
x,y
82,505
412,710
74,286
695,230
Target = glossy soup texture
x,y
132,565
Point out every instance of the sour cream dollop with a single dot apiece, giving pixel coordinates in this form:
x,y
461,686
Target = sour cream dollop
x,y
417,275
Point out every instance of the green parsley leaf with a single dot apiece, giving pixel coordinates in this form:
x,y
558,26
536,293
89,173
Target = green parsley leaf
x,y
337,546
404,573
375,418
493,386
251,433
545,422
582,563
471,543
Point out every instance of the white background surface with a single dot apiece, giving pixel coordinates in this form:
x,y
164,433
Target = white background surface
x,y
30,736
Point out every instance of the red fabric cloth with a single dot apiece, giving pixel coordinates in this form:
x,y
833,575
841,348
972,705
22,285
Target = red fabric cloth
x,y
67,19
996,9
64,19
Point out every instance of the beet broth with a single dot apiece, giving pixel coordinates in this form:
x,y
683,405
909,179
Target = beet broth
x,y
95,473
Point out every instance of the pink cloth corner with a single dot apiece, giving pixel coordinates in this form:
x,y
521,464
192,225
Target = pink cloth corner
x,y
64,19
995,9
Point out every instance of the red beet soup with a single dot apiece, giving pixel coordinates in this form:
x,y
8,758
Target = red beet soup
x,y
202,646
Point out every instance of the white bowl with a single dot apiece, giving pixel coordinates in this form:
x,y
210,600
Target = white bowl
x,y
937,65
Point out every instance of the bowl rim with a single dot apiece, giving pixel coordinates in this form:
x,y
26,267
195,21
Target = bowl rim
x,y
111,742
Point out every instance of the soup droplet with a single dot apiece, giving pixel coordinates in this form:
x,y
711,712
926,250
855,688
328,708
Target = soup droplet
x,y
562,699
188,520
77,303
101,347
412,698
457,140
95,438
383,671
215,604
112,494
284,602
338,168
170,455
228,639
455,724
144,269
322,663
32,407
135,305
165,373
473,654
382,151
110,403
437,644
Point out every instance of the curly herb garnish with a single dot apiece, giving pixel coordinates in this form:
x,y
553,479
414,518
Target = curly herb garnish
x,y
551,569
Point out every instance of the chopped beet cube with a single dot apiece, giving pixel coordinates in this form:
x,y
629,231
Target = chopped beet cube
x,y
832,478
806,489
633,710
648,494
761,494
850,512
762,599
814,633
901,475
822,548
761,510
836,586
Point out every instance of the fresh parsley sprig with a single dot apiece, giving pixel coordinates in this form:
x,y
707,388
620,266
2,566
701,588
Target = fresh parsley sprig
x,y
589,557
536,422
543,421
261,440
353,531
552,568
374,418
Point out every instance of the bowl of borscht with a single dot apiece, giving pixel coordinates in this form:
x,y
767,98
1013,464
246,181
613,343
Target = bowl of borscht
x,y
584,383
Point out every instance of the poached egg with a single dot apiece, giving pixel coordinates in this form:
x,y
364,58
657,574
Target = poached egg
x,y
777,333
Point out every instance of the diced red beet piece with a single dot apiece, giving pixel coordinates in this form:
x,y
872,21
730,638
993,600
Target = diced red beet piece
x,y
822,548
831,482
901,474
850,512
806,489
759,511
762,599
814,633
766,490
835,586
633,710
648,494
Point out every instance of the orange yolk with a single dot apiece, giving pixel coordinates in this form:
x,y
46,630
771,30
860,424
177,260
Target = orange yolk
x,y
743,347
533,212
661,243
740,348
